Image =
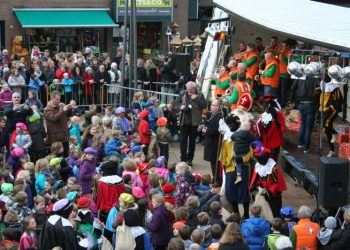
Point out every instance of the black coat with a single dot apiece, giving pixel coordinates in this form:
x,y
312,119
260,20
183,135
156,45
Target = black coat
x,y
15,116
341,244
38,134
212,138
105,76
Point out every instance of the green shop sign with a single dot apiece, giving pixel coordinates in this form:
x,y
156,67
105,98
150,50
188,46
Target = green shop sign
x,y
147,10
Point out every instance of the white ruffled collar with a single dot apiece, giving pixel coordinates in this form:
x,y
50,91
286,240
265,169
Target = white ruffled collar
x,y
264,170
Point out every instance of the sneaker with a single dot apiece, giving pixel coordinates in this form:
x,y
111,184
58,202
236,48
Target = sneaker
x,y
238,179
331,154
300,146
306,151
334,138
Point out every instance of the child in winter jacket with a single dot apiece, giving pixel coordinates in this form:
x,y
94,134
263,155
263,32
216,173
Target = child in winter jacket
x,y
130,168
163,137
23,139
113,146
329,232
67,83
5,96
144,130
184,183
37,133
35,83
75,129
87,169
33,99
161,168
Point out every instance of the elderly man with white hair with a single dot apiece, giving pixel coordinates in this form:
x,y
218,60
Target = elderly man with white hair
x,y
304,234
192,103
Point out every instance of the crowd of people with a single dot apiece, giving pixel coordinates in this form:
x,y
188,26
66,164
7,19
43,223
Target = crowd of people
x,y
104,179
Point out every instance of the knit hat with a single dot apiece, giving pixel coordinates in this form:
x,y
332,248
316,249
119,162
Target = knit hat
x,y
197,176
168,188
55,161
131,218
83,202
160,161
162,105
17,152
283,242
149,103
119,110
72,195
162,121
144,113
6,188
61,205
127,198
142,166
178,225
136,149
330,222
138,193
90,151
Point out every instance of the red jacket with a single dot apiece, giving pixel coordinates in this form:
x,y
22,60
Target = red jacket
x,y
60,72
88,88
271,135
109,190
144,132
274,182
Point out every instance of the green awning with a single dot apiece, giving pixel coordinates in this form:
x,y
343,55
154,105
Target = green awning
x,y
64,18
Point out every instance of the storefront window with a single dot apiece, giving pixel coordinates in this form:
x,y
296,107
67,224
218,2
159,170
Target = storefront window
x,y
148,39
44,38
91,39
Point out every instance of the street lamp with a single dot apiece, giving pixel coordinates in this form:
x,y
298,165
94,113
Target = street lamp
x,y
168,33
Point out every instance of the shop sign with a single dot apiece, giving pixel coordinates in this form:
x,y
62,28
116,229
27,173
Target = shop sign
x,y
147,8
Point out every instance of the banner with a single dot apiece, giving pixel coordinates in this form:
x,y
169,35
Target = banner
x,y
147,9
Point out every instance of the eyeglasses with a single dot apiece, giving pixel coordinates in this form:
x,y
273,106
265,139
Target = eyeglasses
x,y
214,105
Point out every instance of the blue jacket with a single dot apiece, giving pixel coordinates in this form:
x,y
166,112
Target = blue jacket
x,y
111,147
35,84
254,231
152,119
67,84
75,131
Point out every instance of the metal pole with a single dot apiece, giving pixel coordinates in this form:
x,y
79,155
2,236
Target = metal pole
x,y
122,92
134,31
131,51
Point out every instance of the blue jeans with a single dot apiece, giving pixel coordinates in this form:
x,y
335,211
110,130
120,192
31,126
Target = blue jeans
x,y
308,113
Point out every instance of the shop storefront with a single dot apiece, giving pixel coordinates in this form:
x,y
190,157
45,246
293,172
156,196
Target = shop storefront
x,y
151,15
66,30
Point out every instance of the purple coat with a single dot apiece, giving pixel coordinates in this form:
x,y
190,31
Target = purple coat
x,y
5,97
160,227
87,170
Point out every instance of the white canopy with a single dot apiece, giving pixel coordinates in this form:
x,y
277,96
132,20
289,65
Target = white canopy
x,y
319,23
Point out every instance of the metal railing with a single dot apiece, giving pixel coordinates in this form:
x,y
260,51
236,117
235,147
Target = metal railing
x,y
102,95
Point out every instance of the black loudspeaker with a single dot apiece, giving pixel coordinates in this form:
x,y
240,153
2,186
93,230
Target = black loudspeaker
x,y
333,182
182,64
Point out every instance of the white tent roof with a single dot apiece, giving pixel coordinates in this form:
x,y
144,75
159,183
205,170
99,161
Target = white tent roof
x,y
319,23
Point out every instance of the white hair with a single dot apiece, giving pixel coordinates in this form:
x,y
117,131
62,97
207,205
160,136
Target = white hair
x,y
304,212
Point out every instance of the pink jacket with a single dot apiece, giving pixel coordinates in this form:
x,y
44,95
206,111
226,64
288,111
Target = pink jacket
x,y
135,178
5,97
